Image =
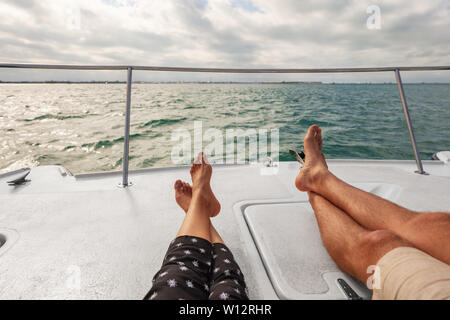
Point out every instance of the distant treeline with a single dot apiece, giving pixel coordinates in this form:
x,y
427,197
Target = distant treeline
x,y
54,81
202,82
213,82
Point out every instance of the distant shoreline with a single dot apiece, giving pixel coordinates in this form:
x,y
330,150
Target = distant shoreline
x,y
211,82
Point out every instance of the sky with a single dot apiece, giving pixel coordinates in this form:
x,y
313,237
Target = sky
x,y
225,33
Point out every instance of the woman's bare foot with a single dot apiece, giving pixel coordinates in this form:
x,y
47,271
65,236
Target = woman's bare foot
x,y
183,194
201,172
315,166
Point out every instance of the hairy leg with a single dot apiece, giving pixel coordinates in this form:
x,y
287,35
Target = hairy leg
x,y
429,232
351,246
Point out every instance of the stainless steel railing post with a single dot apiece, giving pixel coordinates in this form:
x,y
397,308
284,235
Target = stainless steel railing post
x,y
408,122
126,138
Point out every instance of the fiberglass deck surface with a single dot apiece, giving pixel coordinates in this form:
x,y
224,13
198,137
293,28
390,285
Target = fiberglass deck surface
x,y
59,228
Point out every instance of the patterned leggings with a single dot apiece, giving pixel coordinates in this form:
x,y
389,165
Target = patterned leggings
x,y
193,268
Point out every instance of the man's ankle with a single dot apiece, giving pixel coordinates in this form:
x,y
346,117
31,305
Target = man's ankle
x,y
321,181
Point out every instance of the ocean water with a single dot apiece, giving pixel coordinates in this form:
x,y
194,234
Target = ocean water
x,y
80,126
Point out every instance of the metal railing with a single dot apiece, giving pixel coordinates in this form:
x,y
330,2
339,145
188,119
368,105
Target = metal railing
x,y
130,69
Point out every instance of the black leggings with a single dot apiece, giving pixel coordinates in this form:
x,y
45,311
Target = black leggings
x,y
193,268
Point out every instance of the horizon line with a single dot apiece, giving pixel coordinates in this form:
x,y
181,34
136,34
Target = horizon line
x,y
201,82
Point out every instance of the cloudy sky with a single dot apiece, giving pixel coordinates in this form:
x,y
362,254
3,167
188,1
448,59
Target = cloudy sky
x,y
225,33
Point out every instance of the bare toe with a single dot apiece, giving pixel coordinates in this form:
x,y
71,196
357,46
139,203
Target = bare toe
x,y
183,194
201,173
187,187
319,137
178,184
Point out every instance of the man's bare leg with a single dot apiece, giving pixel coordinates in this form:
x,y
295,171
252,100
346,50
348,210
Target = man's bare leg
x,y
203,204
429,232
351,246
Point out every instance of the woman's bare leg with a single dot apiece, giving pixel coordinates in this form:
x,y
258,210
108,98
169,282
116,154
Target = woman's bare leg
x,y
183,196
429,232
227,279
203,204
215,236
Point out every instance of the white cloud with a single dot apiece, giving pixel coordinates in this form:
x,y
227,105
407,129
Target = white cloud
x,y
224,33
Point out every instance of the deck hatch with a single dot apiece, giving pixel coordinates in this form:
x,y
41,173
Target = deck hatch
x,y
288,240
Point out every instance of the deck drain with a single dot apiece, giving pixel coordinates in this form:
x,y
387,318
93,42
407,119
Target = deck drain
x,y
7,239
2,240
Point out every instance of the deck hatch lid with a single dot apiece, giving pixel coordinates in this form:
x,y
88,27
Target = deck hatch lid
x,y
289,243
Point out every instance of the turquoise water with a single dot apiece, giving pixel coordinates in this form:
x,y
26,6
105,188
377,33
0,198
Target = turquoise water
x,y
80,126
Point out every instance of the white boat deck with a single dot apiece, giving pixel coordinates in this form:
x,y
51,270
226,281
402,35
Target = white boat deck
x,y
58,229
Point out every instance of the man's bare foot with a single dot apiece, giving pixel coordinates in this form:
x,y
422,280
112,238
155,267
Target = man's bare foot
x,y
183,194
201,172
315,166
